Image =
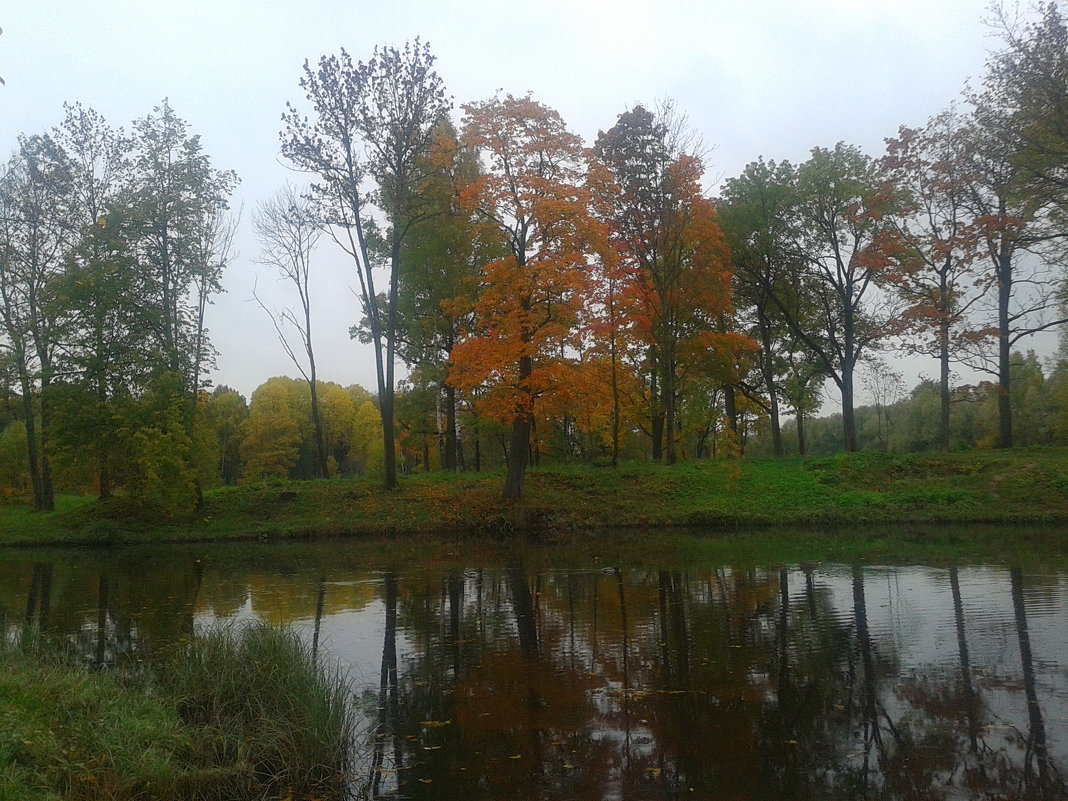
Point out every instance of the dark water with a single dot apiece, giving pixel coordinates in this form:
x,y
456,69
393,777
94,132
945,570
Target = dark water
x,y
517,680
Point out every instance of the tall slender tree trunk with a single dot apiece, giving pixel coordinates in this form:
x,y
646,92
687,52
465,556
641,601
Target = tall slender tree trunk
x,y
313,388
767,372
656,417
30,423
388,439
615,400
801,445
849,419
1004,270
943,385
668,389
48,498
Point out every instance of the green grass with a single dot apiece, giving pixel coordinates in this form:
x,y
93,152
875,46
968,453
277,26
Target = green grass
x,y
1011,487
235,713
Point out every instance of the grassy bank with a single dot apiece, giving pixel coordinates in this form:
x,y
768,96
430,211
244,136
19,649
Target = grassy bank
x,y
1010,487
231,714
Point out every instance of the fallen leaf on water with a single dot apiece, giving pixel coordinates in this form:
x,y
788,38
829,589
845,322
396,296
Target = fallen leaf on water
x,y
516,756
431,747
426,781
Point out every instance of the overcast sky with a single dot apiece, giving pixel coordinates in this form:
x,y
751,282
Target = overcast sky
x,y
770,78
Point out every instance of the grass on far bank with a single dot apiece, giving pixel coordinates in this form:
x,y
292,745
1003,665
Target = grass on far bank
x,y
231,714
1021,486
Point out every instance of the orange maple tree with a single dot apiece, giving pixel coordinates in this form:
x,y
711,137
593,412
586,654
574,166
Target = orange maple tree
x,y
532,193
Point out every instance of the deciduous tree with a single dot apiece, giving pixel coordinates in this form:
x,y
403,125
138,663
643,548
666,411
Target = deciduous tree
x,y
676,258
529,304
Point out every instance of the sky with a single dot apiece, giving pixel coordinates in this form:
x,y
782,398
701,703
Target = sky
x,y
771,78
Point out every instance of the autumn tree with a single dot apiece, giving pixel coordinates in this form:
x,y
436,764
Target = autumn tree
x,y
373,119
675,256
530,301
938,277
288,229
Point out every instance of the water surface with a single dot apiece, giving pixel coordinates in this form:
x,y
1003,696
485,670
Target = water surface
x,y
513,679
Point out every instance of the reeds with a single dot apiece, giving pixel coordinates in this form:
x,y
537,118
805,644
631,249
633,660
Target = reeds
x,y
263,707
240,712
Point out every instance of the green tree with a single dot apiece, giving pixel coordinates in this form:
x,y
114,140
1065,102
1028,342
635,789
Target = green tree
x,y
756,211
439,272
179,202
225,415
35,231
842,246
1021,205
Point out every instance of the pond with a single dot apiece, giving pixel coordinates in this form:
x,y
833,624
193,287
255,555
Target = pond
x,y
522,676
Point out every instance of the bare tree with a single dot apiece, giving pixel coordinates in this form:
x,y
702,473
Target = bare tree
x,y
288,229
372,119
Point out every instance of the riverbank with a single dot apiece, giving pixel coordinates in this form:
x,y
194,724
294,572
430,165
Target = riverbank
x,y
1028,486
240,712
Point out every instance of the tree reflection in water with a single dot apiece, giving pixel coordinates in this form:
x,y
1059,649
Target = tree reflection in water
x,y
517,681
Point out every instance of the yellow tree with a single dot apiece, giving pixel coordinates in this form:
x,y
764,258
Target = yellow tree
x,y
271,447
532,193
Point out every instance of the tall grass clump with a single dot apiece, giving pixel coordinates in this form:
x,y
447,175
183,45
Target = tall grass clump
x,y
263,707
234,713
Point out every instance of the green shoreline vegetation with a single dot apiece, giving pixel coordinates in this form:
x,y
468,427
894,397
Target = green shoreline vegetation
x,y
231,713
1022,486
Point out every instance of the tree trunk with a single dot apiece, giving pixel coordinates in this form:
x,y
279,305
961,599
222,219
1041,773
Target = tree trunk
x,y
388,441
30,423
849,420
317,425
656,419
450,460
768,373
520,440
668,391
730,410
943,372
1004,349
801,447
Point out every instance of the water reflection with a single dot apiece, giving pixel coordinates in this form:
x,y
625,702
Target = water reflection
x,y
516,680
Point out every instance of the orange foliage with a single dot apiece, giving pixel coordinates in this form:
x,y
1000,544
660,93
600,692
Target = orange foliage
x,y
530,303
